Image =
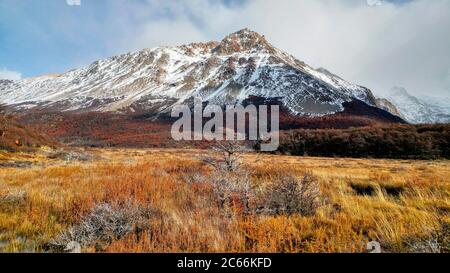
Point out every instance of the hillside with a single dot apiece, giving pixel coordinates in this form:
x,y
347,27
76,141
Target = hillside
x,y
17,137
420,110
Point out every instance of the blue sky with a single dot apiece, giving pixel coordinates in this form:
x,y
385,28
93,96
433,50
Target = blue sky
x,y
50,36
401,42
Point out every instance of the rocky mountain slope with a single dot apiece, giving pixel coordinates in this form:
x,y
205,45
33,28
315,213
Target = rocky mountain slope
x,y
242,65
415,110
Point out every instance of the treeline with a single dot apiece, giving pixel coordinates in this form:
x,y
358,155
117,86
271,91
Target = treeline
x,y
396,141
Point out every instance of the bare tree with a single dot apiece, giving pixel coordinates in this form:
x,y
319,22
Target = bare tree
x,y
230,181
229,155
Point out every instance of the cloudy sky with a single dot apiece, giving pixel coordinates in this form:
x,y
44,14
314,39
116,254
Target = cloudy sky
x,y
376,43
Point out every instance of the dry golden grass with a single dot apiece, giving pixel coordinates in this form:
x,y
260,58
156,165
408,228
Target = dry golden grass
x,y
391,201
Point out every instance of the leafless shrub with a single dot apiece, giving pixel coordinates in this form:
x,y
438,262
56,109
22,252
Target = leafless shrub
x,y
229,155
16,164
13,197
437,242
230,182
291,195
428,245
103,225
71,156
227,188
195,178
233,187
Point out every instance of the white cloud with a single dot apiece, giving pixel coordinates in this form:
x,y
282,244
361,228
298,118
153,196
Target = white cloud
x,y
166,33
162,22
73,2
404,44
9,75
447,81
391,45
375,2
380,47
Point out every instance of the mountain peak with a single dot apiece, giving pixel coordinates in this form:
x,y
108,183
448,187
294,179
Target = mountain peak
x,y
399,91
241,66
244,40
248,33
417,110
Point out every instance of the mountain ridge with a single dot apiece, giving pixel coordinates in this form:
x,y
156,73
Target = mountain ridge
x,y
418,110
241,65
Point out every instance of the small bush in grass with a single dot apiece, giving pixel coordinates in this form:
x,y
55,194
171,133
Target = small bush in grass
x,y
71,156
105,224
13,197
227,188
437,242
230,182
425,245
232,188
290,195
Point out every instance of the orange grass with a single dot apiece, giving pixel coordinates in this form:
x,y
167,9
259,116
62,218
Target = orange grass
x,y
55,196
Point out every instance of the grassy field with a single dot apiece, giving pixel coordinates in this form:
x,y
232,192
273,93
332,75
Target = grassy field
x,y
404,205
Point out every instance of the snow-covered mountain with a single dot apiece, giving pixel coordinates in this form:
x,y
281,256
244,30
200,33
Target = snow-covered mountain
x,y
243,64
423,110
